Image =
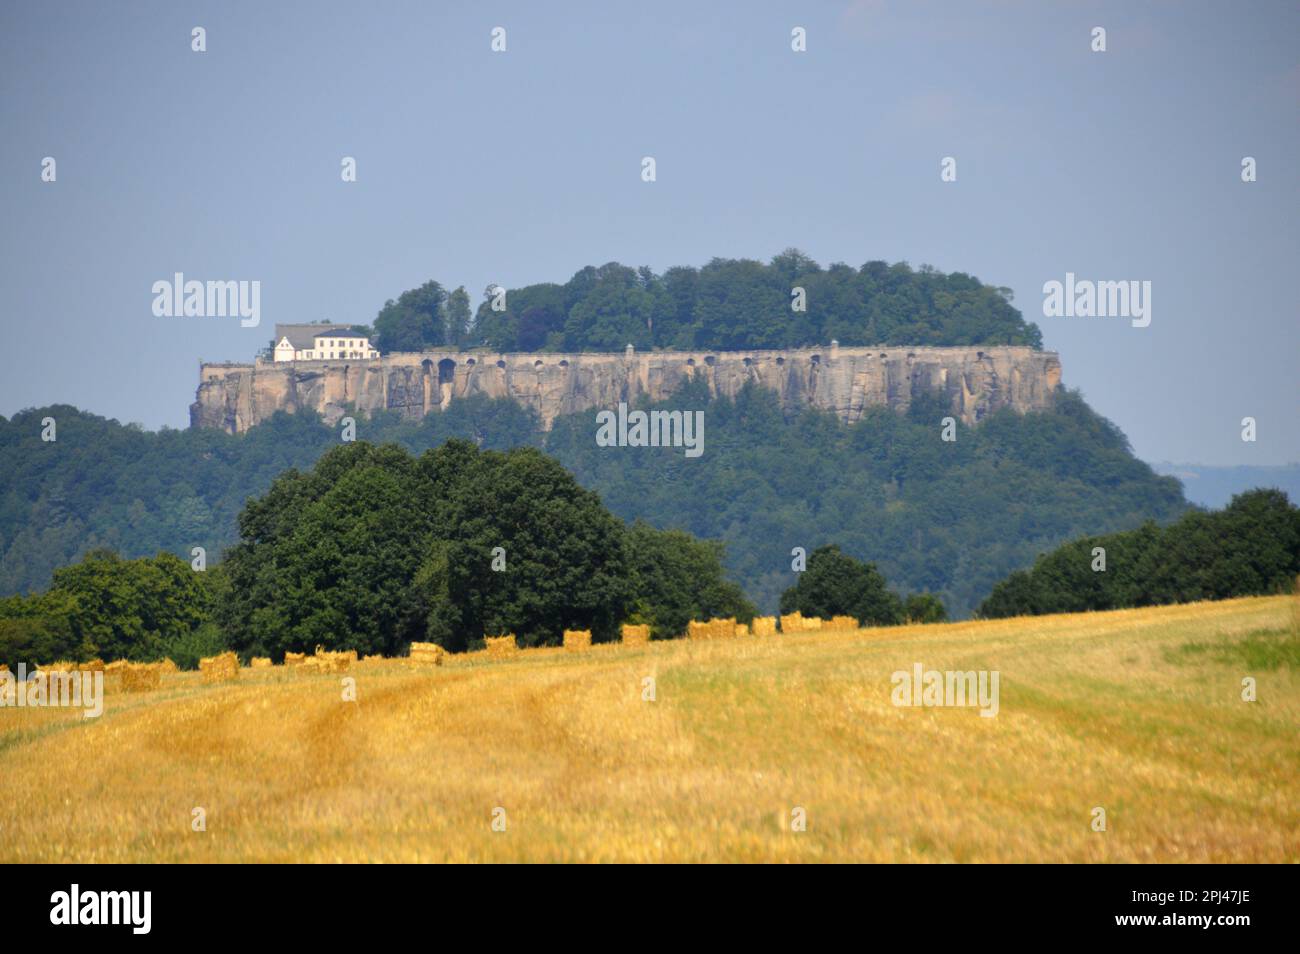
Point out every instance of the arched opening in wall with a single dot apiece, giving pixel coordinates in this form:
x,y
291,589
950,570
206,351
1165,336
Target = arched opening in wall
x,y
501,365
780,361
749,362
690,362
537,363
426,366
710,360
564,364
911,356
816,359
446,374
979,355
883,355
471,361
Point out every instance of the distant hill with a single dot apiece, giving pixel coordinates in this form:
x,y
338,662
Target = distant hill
x,y
1214,486
950,518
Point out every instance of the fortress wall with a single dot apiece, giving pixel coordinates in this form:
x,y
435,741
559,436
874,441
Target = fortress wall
x,y
972,381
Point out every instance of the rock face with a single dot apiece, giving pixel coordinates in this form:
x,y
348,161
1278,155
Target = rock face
x,y
973,381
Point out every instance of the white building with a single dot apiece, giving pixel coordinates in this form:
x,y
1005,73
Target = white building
x,y
321,343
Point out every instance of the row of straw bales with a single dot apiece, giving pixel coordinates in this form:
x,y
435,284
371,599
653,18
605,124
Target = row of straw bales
x,y
796,622
326,661
67,665
116,667
712,629
224,667
766,626
728,627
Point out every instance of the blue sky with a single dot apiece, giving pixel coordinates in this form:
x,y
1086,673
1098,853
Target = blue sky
x,y
477,167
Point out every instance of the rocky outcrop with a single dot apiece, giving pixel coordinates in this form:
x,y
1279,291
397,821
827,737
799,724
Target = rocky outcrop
x,y
972,382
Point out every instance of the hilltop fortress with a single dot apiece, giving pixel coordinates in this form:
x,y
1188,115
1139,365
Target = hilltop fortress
x,y
972,381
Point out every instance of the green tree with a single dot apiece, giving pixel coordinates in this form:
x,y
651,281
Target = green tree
x,y
457,318
681,578
561,559
924,608
1250,547
835,584
373,549
328,557
414,322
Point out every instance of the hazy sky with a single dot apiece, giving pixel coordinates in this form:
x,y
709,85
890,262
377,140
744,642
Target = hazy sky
x,y
477,167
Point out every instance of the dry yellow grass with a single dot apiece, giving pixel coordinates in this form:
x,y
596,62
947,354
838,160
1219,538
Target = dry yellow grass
x,y
577,639
764,625
1108,710
294,659
260,662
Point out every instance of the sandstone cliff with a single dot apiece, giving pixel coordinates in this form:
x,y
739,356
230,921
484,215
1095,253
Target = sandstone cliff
x,y
973,381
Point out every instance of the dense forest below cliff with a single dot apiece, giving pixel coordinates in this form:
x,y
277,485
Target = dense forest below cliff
x,y
727,304
951,518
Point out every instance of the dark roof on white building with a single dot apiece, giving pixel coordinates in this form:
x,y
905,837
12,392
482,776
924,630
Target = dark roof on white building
x,y
303,337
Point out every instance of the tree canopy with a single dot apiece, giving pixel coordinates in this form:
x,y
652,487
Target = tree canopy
x,y
950,519
1250,547
790,301
111,608
414,322
835,584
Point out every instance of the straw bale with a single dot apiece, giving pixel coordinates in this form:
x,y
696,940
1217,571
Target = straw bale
x,y
636,633
577,639
224,667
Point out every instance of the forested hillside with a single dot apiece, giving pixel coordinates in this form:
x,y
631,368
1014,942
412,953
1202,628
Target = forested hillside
x,y
934,516
947,518
1249,548
727,304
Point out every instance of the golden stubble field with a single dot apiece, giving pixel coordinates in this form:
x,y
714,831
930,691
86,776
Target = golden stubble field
x,y
1105,710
